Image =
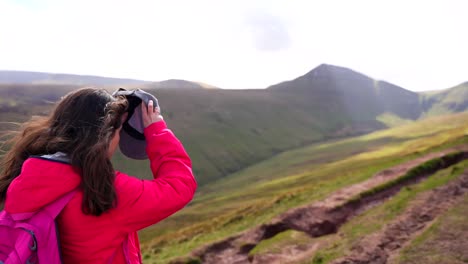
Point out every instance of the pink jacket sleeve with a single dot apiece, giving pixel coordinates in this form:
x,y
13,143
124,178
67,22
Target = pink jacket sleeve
x,y
142,203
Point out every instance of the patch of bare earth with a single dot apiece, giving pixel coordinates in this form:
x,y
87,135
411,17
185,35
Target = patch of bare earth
x,y
446,242
380,247
317,219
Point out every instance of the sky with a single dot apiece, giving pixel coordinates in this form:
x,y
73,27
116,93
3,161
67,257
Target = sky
x,y
419,45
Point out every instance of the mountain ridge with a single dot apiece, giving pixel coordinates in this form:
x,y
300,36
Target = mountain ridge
x,y
30,77
445,101
177,83
21,77
227,130
258,153
359,94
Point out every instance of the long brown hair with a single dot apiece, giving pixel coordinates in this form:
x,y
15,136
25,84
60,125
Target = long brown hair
x,y
82,125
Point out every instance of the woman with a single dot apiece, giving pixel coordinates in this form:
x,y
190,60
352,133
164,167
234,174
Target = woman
x,y
99,224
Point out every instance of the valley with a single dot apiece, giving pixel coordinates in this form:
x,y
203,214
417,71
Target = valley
x,y
331,167
260,194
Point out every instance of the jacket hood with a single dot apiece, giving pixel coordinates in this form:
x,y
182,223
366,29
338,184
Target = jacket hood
x,y
40,182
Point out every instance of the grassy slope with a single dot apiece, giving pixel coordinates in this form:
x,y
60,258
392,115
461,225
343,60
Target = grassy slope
x,y
260,192
257,193
339,244
227,130
431,247
446,101
18,103
357,95
222,130
392,120
61,79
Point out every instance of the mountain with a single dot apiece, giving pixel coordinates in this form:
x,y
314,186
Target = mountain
x,y
22,77
175,83
450,100
357,95
225,131
260,156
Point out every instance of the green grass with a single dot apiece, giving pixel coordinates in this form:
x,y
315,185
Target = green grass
x,y
257,194
446,101
222,130
356,229
227,131
424,168
277,243
374,219
392,120
431,246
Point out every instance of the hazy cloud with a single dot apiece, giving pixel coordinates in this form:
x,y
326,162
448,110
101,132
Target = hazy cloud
x,y
419,45
269,32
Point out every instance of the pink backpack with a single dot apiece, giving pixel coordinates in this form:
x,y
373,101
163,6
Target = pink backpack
x,y
32,238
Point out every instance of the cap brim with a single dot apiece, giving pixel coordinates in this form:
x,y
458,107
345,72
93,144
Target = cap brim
x,y
132,147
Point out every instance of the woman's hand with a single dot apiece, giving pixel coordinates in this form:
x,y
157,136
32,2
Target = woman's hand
x,y
150,114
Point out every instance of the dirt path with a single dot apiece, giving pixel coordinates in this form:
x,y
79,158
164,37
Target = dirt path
x,y
344,194
380,247
317,219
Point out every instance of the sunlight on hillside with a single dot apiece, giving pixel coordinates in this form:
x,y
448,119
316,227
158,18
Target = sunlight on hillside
x,y
297,177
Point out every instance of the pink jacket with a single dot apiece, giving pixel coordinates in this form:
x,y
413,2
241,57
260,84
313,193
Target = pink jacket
x,y
140,203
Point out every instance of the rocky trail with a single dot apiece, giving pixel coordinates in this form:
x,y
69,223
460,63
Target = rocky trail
x,y
326,216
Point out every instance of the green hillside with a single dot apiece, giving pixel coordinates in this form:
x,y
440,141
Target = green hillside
x,y
176,84
19,102
227,130
430,247
24,77
446,101
350,92
259,153
260,192
223,130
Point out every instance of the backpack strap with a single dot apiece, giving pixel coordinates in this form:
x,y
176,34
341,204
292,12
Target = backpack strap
x,y
56,207
53,209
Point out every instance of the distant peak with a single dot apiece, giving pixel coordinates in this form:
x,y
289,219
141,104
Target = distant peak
x,y
329,67
332,71
323,66
326,70
180,83
175,81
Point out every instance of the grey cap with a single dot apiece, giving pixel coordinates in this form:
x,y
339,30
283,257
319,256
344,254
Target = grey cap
x,y
132,138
